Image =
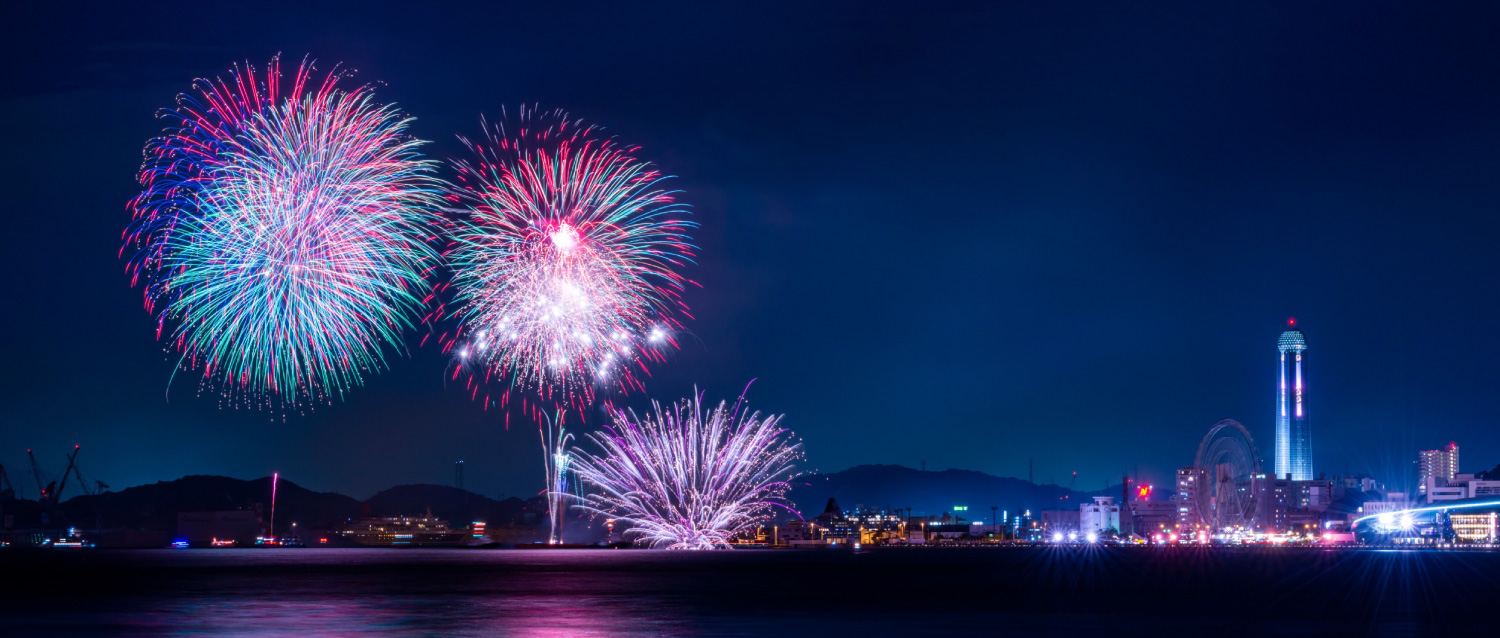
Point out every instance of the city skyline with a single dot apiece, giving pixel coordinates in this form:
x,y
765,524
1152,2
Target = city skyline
x,y
984,304
628,319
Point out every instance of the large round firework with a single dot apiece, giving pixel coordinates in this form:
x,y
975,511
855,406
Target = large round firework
x,y
284,234
685,479
566,266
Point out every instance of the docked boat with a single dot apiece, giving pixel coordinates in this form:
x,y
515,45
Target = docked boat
x,y
402,531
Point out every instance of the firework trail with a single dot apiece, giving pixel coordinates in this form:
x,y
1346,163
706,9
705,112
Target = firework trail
x,y
684,479
556,459
566,266
283,232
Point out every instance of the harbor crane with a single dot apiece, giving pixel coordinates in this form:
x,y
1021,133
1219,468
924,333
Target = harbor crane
x,y
53,493
7,488
94,488
50,492
37,474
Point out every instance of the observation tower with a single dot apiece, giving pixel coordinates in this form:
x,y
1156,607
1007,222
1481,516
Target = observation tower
x,y
1293,436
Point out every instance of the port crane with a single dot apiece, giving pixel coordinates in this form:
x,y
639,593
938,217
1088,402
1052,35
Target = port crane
x,y
7,488
53,493
50,492
37,474
93,488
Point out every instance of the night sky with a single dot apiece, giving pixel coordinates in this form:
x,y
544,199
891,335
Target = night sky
x,y
970,235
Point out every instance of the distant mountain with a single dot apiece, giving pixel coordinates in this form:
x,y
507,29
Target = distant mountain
x,y
895,486
156,506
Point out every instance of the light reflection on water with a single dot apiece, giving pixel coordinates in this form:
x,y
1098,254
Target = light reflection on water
x,y
555,593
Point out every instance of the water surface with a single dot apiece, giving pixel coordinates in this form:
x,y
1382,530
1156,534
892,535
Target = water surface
x,y
547,593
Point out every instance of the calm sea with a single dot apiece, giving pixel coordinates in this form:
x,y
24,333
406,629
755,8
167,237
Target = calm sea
x,y
910,592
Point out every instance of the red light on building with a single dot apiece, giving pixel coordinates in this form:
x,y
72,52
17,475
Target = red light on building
x,y
1144,492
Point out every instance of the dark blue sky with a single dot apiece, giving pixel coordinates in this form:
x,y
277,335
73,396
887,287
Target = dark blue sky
x,y
965,234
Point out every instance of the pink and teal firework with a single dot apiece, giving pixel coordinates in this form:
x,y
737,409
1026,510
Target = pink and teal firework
x,y
285,233
685,479
567,264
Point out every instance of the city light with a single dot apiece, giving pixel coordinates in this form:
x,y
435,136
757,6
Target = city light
x,y
1389,520
1093,537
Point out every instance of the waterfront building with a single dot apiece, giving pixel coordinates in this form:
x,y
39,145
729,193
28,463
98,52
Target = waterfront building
x,y
1188,481
1273,499
1148,518
1459,487
1437,464
1356,483
1100,516
1313,494
1438,490
1478,527
1026,527
1287,506
1060,521
1393,502
1293,436
1488,488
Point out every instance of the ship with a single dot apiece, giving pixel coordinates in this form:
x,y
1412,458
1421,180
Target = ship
x,y
401,531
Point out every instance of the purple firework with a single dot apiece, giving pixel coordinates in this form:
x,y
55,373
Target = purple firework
x,y
685,479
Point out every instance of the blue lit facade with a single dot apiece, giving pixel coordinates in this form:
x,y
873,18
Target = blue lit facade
x,y
1293,436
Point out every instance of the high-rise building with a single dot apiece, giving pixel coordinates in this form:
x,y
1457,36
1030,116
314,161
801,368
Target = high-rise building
x,y
1188,480
1437,464
1293,436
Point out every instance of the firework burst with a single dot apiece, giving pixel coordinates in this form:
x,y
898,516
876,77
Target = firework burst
x,y
566,268
283,232
685,479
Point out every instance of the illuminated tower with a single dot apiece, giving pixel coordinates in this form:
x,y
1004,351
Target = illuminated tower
x,y
1293,436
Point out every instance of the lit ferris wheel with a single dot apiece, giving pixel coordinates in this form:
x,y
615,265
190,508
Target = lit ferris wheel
x,y
1227,462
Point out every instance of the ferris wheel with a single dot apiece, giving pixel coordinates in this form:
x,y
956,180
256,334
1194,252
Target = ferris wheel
x,y
1226,464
